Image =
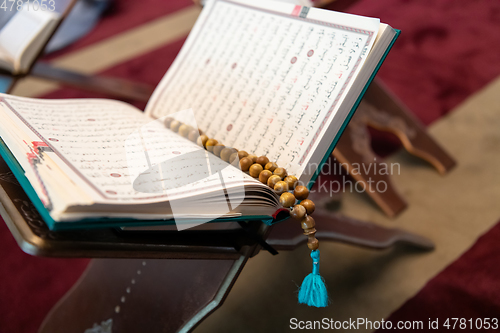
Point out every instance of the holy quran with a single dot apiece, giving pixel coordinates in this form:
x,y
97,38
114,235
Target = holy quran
x,y
270,78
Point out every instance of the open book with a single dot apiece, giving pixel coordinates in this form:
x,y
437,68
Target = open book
x,y
23,37
266,77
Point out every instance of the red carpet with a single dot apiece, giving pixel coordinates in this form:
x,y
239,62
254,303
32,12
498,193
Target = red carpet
x,y
30,286
468,288
447,51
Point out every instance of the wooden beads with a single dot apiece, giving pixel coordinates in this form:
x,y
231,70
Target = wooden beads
x,y
308,220
242,154
301,192
168,121
281,172
264,176
267,172
255,170
312,243
174,125
287,200
233,158
202,140
281,187
211,143
271,166
245,164
226,153
252,157
184,130
193,135
218,149
308,225
291,181
298,212
273,180
262,160
308,205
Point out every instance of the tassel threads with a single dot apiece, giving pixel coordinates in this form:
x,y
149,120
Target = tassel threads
x,y
313,290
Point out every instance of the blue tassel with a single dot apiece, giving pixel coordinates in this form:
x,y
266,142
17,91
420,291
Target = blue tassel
x,y
313,290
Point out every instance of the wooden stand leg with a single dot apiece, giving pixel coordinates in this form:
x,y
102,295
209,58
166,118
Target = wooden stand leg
x,y
387,113
133,295
116,87
381,110
355,154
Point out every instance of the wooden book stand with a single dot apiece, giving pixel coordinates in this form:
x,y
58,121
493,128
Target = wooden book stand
x,y
381,110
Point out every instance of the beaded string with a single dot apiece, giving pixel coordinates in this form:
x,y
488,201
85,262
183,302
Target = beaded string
x,y
292,195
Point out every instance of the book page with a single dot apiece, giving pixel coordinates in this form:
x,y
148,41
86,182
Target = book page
x,y
266,77
114,151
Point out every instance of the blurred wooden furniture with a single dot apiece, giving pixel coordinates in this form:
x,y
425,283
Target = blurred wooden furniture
x,y
381,110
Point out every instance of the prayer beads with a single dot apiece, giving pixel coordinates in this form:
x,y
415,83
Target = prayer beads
x,y
267,172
